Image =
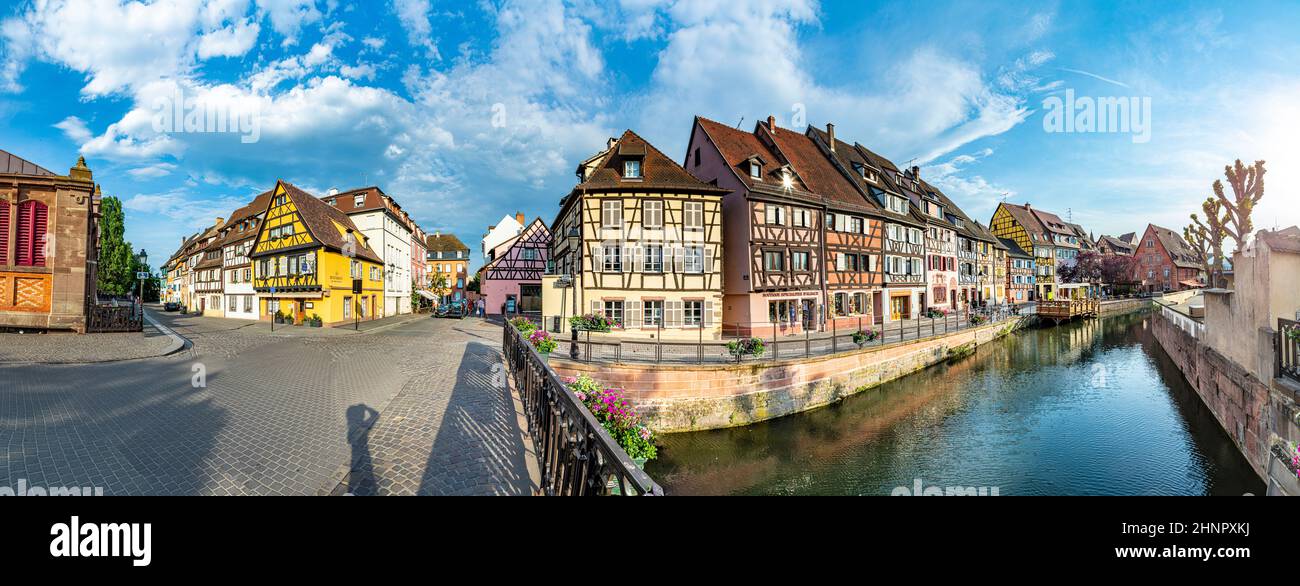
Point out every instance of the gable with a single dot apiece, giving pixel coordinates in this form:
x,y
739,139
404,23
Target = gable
x,y
283,228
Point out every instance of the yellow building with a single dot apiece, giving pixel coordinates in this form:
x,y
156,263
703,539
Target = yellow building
x,y
309,260
1019,224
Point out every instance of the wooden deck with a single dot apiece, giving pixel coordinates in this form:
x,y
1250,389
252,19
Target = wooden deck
x,y
1059,311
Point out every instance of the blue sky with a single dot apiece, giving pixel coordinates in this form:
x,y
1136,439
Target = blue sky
x,y
469,111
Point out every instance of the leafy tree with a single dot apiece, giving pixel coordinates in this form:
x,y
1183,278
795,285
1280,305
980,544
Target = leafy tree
x,y
440,285
473,285
116,274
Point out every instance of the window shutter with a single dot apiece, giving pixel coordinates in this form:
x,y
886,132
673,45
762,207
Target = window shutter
x,y
628,257
597,257
708,313
595,307
24,243
673,311
632,317
708,260
4,232
679,259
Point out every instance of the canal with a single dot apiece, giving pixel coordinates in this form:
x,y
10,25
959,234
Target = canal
x,y
1087,408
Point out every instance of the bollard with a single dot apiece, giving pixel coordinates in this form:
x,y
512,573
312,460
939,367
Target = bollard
x,y
573,345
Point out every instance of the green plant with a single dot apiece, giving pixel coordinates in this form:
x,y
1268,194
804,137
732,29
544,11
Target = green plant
x,y
977,319
934,313
861,337
316,320
746,347
524,326
542,340
592,322
1293,335
617,415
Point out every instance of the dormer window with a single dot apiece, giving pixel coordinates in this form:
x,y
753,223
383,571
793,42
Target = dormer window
x,y
755,170
632,169
359,201
334,201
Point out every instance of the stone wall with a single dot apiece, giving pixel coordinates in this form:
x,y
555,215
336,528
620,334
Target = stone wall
x,y
689,398
1115,306
1247,408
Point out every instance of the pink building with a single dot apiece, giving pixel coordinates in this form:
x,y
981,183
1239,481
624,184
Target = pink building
x,y
512,282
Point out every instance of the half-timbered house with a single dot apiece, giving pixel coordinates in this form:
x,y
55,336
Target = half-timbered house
x,y
1019,224
641,240
773,228
511,281
311,260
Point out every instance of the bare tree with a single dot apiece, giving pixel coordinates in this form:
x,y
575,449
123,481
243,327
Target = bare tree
x,y
1212,232
1247,188
1198,237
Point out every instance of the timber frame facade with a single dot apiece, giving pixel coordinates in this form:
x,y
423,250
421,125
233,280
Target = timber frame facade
x,y
1019,224
774,227
640,240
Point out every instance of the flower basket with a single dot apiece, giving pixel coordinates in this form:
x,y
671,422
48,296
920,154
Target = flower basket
x,y
592,322
620,419
543,342
746,347
933,313
861,337
977,319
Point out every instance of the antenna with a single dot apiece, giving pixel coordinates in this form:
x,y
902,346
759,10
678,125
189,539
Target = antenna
x,y
1004,196
742,121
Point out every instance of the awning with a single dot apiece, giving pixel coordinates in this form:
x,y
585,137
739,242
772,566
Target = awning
x,y
426,295
1192,284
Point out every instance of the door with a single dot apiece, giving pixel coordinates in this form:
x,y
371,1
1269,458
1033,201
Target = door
x,y
898,308
877,308
809,315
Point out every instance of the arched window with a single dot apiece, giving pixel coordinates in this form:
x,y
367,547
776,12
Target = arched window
x,y
33,218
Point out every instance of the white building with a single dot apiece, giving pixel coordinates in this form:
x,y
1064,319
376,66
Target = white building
x,y
240,234
387,231
508,228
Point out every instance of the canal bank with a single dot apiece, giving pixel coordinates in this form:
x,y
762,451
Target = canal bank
x,y
1090,407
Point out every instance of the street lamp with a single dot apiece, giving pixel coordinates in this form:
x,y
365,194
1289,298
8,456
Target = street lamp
x,y
142,259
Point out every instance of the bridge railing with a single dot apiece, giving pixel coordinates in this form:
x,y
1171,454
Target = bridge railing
x,y
577,456
1288,349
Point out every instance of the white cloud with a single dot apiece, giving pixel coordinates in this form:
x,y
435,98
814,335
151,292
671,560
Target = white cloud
x,y
289,16
414,16
152,171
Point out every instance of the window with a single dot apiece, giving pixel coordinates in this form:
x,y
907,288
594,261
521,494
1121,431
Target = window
x,y
857,226
694,313
799,217
248,303
614,311
356,269
234,303
775,215
347,307
653,312
782,311
632,169
773,260
859,303
359,200
841,262
652,214
897,204
281,200
799,261
693,259
613,259
33,219
697,156
653,259
755,170
611,214
693,215
830,221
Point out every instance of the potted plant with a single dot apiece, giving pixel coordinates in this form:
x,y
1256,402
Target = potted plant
x,y
316,321
977,319
543,342
934,313
524,325
279,316
861,337
746,347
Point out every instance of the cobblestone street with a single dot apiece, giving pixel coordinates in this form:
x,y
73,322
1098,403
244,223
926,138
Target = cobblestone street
x,y
415,408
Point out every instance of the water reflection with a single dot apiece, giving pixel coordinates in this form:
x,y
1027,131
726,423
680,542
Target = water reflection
x,y
1086,408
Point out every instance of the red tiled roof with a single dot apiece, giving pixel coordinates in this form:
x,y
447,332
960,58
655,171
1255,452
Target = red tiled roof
x,y
657,169
816,171
1180,253
739,147
318,215
1025,217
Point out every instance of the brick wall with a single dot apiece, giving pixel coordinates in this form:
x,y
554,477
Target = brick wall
x,y
690,398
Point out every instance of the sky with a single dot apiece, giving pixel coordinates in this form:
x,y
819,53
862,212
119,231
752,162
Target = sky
x,y
468,111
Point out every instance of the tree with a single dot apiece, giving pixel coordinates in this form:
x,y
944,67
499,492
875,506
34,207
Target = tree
x,y
1247,188
1213,235
440,285
1087,268
473,285
116,259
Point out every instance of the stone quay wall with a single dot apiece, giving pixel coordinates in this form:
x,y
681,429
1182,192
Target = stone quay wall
x,y
676,398
1254,413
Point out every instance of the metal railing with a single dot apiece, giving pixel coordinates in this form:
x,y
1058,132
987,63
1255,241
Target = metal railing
x,y
1288,349
778,343
577,456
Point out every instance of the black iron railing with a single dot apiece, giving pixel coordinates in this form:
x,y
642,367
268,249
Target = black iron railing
x,y
577,456
102,319
781,341
1288,349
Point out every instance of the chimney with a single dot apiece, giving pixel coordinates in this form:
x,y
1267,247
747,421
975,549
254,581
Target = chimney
x,y
333,191
1027,206
219,221
609,144
916,172
519,217
830,130
771,122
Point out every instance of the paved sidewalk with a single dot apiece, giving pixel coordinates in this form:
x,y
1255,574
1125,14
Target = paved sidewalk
x,y
68,348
